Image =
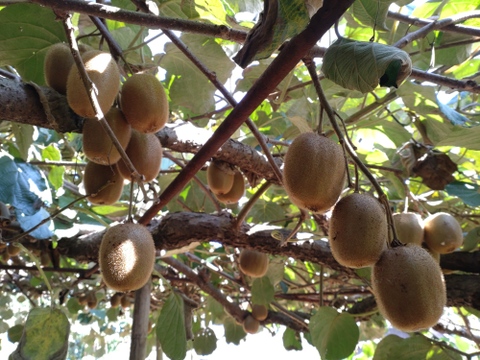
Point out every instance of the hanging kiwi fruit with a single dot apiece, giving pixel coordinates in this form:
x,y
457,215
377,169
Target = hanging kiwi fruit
x,y
409,227
253,263
443,233
103,183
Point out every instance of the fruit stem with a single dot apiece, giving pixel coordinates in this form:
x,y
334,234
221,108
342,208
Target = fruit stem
x,y
248,206
91,91
348,146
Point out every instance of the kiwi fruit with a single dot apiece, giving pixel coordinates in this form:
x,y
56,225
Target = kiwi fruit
x,y
219,180
253,263
13,250
103,71
92,301
103,183
57,65
259,312
443,233
116,299
125,302
82,299
126,256
314,172
236,192
144,103
409,288
250,325
45,258
145,152
358,230
409,227
97,145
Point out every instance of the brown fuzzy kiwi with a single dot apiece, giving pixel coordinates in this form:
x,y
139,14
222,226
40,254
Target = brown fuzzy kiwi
x,y
409,227
259,312
250,325
314,172
126,257
253,263
103,183
358,230
219,180
125,302
92,301
57,65
144,103
82,299
443,233
13,250
116,299
103,71
236,192
97,145
409,287
145,152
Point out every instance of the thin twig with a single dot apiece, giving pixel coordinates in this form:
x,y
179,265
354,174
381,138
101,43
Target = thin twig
x,y
248,206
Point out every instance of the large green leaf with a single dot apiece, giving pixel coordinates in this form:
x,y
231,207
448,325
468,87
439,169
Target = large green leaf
x,y
468,192
362,66
171,328
291,340
263,292
45,336
234,333
372,12
334,334
205,342
27,31
189,89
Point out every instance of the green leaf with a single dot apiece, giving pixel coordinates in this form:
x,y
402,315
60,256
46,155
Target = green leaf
x,y
471,240
263,292
334,334
234,333
275,271
45,336
468,192
189,89
360,65
73,305
291,340
372,13
205,342
171,328
27,31
23,138
15,333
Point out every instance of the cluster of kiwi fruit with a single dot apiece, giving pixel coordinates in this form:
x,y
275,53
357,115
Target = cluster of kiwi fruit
x,y
226,183
251,323
407,280
142,110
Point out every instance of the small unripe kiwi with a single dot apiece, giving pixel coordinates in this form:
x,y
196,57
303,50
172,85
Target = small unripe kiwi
x,y
443,233
103,71
126,257
116,299
251,325
103,183
236,192
97,145
409,227
13,250
358,230
144,103
82,299
219,180
409,287
259,312
58,62
92,300
314,172
125,302
253,263
145,152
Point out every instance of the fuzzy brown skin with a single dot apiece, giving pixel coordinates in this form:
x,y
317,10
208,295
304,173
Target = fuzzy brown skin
x,y
259,312
409,288
251,325
126,257
236,192
144,103
358,230
314,172
219,181
104,73
409,227
97,145
253,263
145,152
58,62
443,233
95,179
